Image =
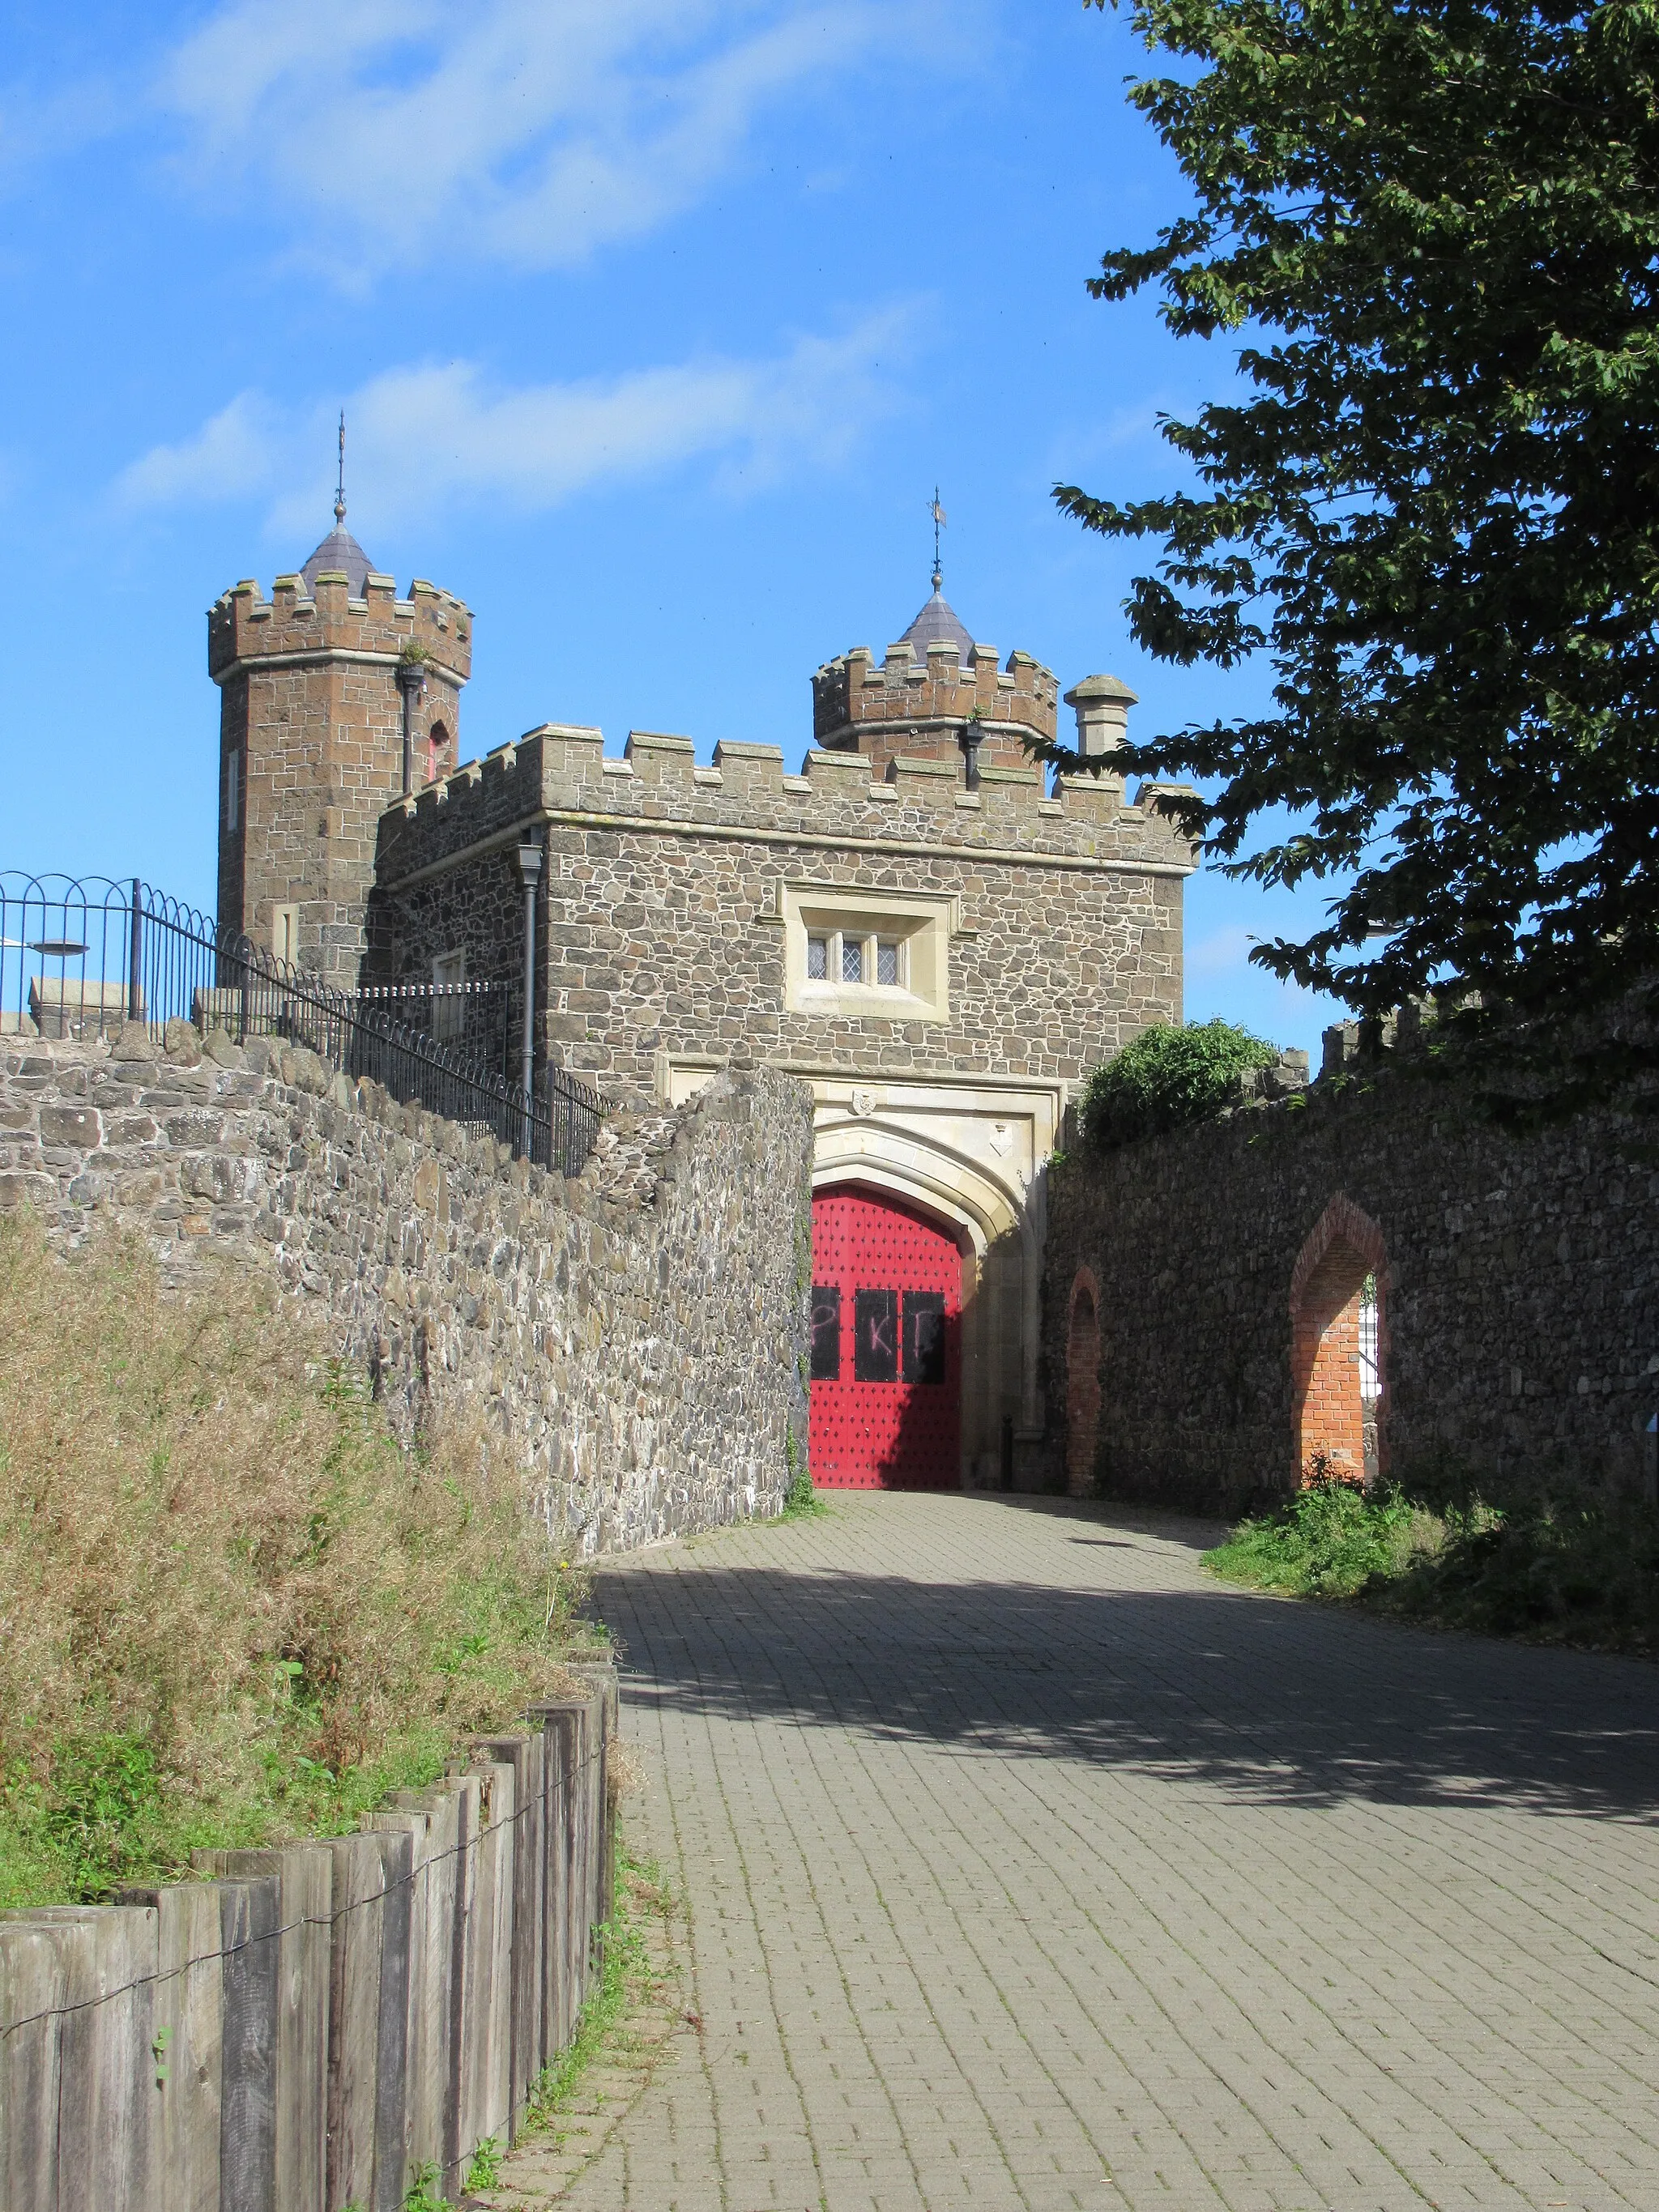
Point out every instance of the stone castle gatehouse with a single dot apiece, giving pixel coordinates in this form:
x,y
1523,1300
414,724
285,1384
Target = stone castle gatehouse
x,y
915,925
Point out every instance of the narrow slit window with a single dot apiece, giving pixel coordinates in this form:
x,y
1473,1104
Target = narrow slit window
x,y
234,787
852,960
1371,1371
817,959
887,961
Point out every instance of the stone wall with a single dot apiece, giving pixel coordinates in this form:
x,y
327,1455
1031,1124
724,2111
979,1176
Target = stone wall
x,y
1518,1282
666,909
634,1338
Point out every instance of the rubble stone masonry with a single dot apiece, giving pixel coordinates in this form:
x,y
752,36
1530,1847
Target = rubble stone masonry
x,y
633,1338
1518,1282
666,895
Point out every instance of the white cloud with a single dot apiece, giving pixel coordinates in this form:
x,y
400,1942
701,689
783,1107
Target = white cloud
x,y
232,453
427,435
1222,951
398,135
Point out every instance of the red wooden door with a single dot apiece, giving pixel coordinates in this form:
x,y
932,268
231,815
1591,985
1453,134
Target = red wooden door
x,y
886,1403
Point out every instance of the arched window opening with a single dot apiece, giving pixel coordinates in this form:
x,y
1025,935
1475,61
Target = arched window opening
x,y
1339,1348
438,761
1082,1387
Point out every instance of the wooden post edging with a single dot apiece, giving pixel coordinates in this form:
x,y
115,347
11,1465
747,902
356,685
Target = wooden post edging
x,y
304,2028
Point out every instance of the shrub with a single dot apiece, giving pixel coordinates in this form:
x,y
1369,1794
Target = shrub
x,y
1584,1573
1166,1077
1326,1542
232,1607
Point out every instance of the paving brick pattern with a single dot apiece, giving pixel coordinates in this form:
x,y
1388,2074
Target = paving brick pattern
x,y
1028,1867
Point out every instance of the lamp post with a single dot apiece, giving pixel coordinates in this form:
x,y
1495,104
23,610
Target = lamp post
x,y
412,682
527,858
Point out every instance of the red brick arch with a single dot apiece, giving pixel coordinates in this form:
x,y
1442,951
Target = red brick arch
x,y
1082,1384
1343,1248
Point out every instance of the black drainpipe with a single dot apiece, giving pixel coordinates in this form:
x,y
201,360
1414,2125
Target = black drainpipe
x,y
411,681
973,737
529,858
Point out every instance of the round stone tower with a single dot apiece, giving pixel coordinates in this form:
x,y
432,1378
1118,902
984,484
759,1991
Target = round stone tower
x,y
936,695
336,697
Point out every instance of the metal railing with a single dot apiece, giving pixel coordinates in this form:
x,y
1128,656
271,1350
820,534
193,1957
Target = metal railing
x,y
81,958
475,1017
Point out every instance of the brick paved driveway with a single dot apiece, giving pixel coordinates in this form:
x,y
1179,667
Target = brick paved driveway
x,y
1028,1867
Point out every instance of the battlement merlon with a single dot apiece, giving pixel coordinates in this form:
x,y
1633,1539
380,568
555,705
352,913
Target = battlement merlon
x,y
559,776
296,626
851,693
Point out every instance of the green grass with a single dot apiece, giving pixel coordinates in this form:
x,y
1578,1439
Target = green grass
x,y
1580,1573
624,1977
102,1822
801,1502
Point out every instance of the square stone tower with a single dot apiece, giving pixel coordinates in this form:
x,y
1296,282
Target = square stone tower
x,y
337,698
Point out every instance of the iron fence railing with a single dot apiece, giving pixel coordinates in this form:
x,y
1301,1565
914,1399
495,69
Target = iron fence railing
x,y
475,1015
79,958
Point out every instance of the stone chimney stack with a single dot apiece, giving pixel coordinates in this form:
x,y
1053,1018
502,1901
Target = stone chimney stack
x,y
1101,704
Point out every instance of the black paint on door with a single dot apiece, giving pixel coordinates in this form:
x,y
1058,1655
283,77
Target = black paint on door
x,y
826,1333
924,1336
875,1336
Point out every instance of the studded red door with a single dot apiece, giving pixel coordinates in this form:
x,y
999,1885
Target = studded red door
x,y
886,1408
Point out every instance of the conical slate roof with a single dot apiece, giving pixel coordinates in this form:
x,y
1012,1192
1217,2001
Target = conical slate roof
x,y
937,620
340,549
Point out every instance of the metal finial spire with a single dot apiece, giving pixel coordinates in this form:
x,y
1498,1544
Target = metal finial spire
x,y
938,523
339,489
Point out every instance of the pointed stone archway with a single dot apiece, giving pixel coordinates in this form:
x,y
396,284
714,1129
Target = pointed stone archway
x,y
972,1152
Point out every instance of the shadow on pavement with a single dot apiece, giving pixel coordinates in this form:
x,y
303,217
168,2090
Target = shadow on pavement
x,y
1275,1700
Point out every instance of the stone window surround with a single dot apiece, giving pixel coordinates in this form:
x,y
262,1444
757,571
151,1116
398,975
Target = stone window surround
x,y
922,923
285,932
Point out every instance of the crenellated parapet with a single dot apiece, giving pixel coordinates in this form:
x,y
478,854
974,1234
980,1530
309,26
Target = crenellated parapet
x,y
559,773
298,623
860,704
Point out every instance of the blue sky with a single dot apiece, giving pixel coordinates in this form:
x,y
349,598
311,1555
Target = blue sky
x,y
654,321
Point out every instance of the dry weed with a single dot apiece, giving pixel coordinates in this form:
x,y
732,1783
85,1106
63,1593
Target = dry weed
x,y
212,1550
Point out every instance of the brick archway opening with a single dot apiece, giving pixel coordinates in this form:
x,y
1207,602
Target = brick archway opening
x,y
1082,1386
1336,1347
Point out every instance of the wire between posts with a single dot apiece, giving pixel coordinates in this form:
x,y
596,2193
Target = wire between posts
x,y
306,1919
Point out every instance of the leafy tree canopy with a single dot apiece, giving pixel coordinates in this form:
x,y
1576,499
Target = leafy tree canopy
x,y
1436,506
1166,1077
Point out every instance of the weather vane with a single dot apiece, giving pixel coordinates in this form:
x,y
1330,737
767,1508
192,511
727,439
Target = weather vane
x,y
339,489
938,513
